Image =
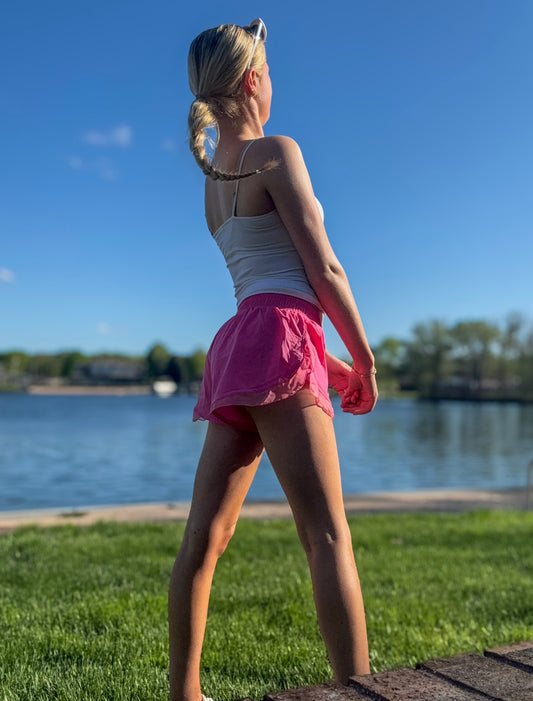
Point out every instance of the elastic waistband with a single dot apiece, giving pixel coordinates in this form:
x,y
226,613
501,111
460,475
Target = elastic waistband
x,y
282,301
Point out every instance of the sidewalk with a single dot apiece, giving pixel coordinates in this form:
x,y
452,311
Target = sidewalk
x,y
379,502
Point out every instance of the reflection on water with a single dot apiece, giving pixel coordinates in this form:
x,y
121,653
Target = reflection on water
x,y
76,451
414,445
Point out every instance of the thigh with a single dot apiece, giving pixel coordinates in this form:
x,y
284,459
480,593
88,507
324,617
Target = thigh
x,y
225,472
300,441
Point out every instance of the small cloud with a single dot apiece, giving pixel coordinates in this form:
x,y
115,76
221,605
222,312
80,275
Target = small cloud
x,y
121,136
168,145
75,162
103,167
106,169
7,276
103,328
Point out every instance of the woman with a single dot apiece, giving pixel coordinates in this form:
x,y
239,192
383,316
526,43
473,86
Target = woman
x,y
267,371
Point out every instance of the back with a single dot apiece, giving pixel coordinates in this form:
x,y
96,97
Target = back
x,y
258,249
247,197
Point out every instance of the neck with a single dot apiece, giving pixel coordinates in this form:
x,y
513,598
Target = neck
x,y
245,127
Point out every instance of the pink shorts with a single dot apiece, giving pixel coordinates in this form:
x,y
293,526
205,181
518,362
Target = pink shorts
x,y
272,348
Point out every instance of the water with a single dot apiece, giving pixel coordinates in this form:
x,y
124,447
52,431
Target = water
x,y
78,451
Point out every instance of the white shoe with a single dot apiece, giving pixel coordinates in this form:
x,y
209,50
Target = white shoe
x,y
204,698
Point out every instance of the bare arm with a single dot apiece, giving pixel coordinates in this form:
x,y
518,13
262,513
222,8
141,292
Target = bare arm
x,y
290,188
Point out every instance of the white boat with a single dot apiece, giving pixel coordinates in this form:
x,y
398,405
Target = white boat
x,y
164,388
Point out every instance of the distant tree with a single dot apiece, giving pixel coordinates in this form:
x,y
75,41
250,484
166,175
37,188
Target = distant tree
x,y
15,363
174,369
196,364
474,343
69,361
44,366
389,356
181,368
525,367
157,361
428,355
509,348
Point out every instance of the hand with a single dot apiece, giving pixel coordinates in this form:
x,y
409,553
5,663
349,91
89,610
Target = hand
x,y
360,395
338,374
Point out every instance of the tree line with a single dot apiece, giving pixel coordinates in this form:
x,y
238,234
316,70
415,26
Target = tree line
x,y
19,369
466,360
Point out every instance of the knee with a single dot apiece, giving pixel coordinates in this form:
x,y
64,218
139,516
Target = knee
x,y
220,537
206,543
317,540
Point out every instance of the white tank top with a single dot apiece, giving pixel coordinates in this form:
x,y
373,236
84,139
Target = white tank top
x,y
260,254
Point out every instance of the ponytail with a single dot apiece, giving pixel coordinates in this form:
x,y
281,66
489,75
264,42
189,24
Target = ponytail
x,y
216,64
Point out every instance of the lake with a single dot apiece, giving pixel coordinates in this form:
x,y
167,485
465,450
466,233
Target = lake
x,y
62,452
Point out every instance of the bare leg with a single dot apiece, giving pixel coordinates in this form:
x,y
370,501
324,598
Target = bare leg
x,y
300,442
227,466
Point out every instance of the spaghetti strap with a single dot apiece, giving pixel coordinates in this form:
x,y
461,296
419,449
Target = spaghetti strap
x,y
245,150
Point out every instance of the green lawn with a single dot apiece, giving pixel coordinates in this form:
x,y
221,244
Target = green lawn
x,y
83,610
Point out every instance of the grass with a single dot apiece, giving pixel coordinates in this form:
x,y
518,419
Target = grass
x,y
83,610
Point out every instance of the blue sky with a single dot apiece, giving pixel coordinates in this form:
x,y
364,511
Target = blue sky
x,y
415,119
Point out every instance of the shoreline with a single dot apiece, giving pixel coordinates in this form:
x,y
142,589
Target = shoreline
x,y
147,389
433,500
89,390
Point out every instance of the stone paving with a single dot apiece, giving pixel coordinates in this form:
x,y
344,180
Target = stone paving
x,y
501,674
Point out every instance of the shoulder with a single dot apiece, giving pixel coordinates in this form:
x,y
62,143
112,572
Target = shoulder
x,y
287,154
280,146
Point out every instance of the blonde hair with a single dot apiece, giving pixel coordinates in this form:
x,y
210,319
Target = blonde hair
x,y
217,63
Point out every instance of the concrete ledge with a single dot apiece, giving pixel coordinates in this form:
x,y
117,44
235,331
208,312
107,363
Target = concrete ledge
x,y
436,500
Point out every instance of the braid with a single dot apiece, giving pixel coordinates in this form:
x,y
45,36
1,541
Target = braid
x,y
201,118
